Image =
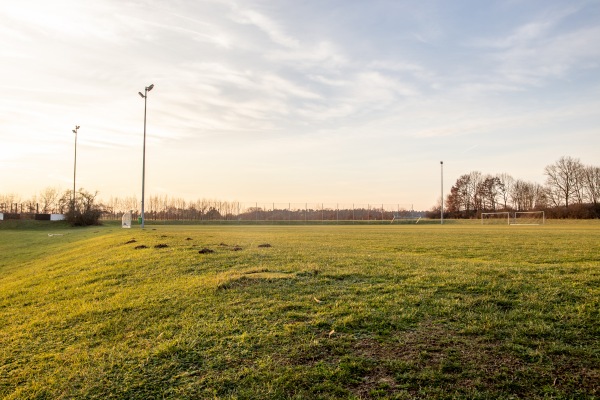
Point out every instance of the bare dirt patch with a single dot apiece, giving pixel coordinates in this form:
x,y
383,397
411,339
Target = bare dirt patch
x,y
456,363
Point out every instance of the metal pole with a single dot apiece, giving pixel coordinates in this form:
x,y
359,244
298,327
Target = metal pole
x,y
145,96
75,165
144,157
442,201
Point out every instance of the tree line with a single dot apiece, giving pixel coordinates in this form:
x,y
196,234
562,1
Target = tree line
x,y
79,209
171,208
571,190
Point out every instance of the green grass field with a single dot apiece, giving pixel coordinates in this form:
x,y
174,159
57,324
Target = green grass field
x,y
323,312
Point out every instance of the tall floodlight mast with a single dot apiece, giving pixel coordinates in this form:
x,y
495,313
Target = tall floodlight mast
x,y
442,180
74,167
145,97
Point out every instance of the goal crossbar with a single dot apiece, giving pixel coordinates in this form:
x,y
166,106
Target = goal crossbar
x,y
517,217
529,218
405,219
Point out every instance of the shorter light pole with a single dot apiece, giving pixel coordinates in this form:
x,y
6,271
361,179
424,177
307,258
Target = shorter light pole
x,y
75,165
145,97
442,180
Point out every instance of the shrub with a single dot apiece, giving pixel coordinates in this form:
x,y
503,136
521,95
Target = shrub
x,y
83,211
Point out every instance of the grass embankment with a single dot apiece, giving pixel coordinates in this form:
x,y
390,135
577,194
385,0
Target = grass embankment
x,y
324,312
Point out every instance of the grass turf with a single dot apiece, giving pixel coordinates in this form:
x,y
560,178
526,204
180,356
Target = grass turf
x,y
454,311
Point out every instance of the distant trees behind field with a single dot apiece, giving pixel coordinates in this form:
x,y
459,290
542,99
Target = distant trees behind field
x,y
571,189
170,208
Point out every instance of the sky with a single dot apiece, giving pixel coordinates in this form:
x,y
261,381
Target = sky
x,y
323,101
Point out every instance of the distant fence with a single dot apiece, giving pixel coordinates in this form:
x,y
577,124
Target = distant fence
x,y
28,208
217,211
279,213
32,216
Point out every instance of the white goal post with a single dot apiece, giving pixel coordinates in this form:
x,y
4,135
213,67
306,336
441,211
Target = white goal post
x,y
495,218
126,220
529,218
406,217
517,218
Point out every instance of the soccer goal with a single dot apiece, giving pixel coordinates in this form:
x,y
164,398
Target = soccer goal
x,y
495,218
529,218
406,217
126,220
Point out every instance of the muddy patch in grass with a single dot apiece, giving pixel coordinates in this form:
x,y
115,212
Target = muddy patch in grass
x,y
230,247
438,357
141,246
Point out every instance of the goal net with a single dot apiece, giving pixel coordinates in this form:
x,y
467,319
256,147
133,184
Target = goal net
x,y
126,220
406,217
495,218
529,218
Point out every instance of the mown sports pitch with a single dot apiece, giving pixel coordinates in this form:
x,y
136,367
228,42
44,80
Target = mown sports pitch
x,y
300,312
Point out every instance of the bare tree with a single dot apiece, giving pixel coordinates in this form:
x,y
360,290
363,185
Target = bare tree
x,y
49,198
464,196
579,184
505,188
488,191
592,184
563,179
130,203
465,193
475,183
541,199
527,195
154,206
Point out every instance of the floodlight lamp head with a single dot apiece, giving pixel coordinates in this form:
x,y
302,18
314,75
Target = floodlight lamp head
x,y
77,127
149,88
74,131
142,95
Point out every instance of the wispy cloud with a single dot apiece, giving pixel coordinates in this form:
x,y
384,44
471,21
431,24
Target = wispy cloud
x,y
542,49
272,29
